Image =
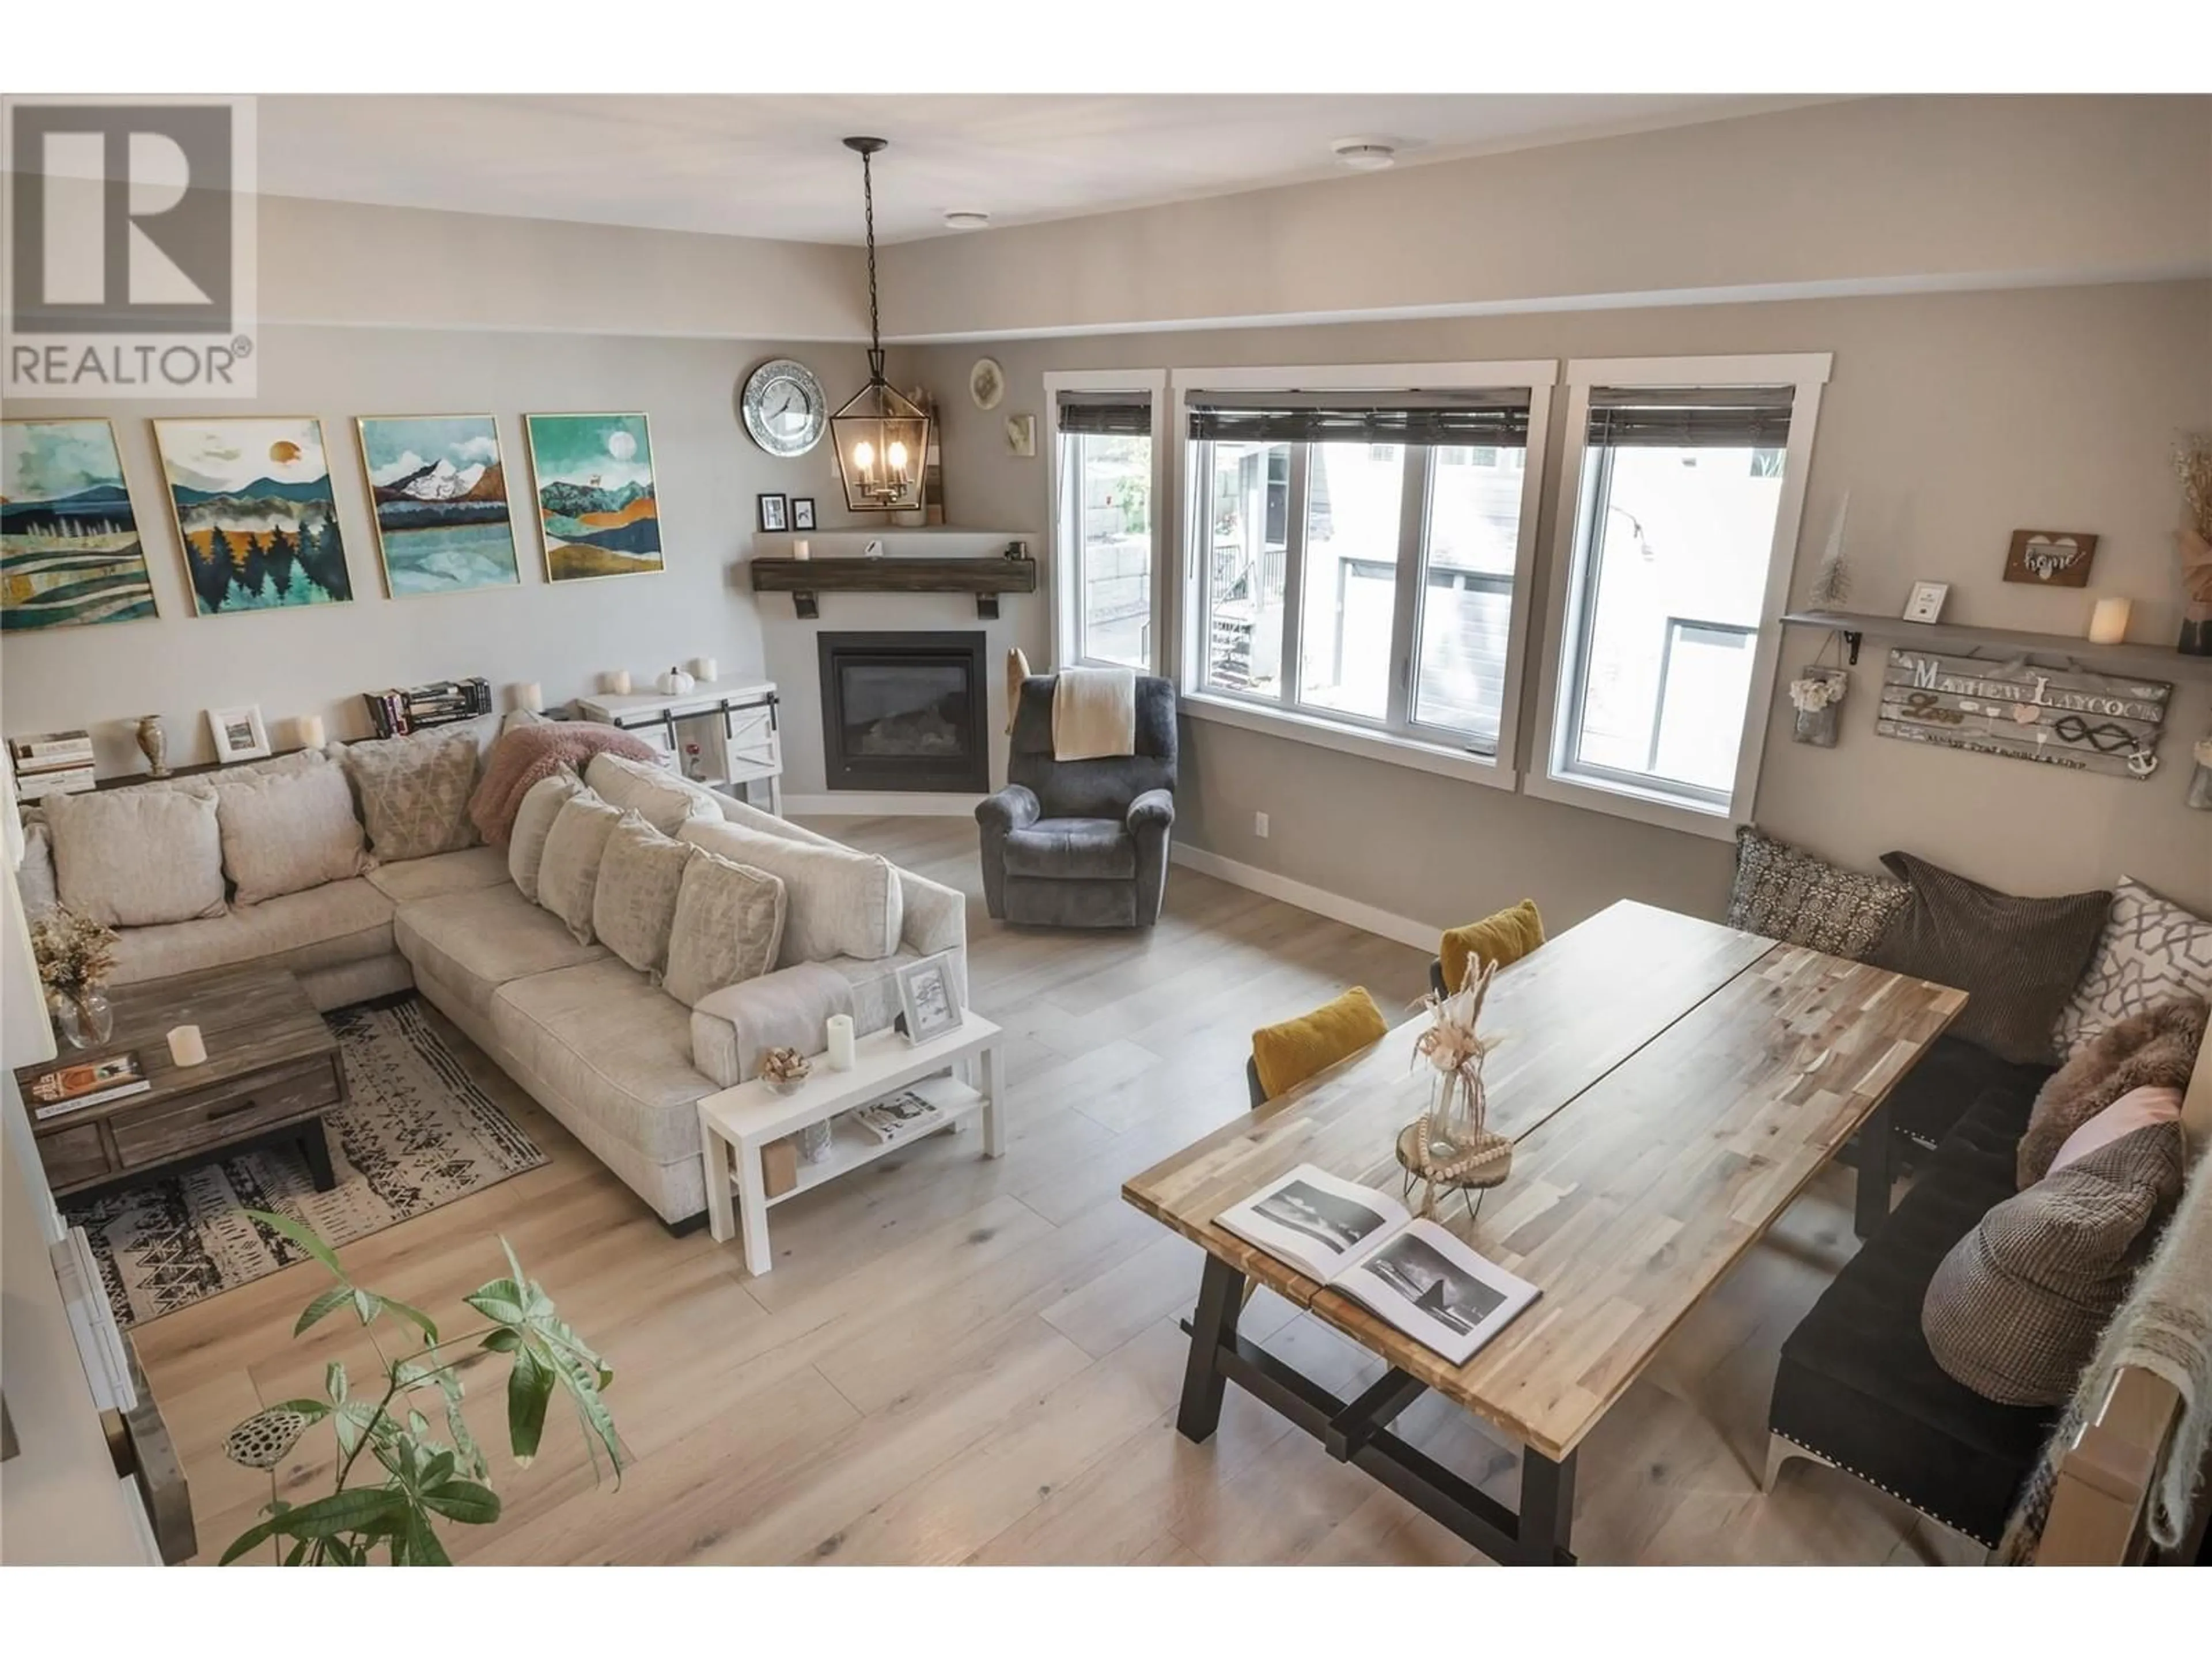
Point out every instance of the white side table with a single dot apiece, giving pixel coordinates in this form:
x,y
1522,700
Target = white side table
x,y
735,1124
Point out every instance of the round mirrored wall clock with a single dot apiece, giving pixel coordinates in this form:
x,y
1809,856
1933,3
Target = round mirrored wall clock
x,y
783,407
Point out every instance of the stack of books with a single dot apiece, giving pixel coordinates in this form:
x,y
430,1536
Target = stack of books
x,y
398,712
75,1084
55,763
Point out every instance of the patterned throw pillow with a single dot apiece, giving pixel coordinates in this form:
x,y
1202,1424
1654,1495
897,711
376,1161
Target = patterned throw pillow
x,y
1784,892
534,822
414,791
634,904
2152,951
568,874
728,927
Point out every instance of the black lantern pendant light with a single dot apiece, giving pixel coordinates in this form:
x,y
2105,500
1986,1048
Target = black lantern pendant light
x,y
882,439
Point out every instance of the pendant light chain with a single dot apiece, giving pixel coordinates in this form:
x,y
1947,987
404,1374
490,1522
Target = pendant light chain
x,y
875,330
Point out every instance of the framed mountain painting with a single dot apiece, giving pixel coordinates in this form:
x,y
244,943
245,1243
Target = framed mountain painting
x,y
69,552
252,498
596,501
438,493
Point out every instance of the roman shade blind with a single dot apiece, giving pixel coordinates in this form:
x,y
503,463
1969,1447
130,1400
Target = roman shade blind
x,y
1422,419
1736,417
1113,414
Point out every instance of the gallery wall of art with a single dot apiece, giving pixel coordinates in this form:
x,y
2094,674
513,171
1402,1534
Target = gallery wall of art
x,y
373,518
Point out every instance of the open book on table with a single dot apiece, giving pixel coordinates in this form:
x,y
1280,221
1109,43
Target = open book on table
x,y
1413,1274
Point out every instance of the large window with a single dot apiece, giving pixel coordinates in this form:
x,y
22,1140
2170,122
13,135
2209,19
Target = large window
x,y
1356,557
1105,523
1684,511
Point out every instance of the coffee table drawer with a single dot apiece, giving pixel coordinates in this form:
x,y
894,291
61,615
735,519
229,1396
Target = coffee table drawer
x,y
73,1157
222,1115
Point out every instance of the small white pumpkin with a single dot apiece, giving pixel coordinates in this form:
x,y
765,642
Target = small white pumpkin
x,y
675,683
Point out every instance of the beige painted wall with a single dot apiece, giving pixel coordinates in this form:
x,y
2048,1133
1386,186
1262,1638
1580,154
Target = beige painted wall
x,y
1952,420
316,660
1890,190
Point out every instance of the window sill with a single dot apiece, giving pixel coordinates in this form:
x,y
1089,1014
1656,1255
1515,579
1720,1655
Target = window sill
x,y
1645,806
1388,747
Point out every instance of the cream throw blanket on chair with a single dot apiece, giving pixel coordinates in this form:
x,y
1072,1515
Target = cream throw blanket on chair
x,y
1094,714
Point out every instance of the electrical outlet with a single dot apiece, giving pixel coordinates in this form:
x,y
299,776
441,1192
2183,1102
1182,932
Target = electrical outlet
x,y
1260,825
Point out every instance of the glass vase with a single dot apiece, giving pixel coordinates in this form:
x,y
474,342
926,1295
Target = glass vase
x,y
1458,1105
84,1022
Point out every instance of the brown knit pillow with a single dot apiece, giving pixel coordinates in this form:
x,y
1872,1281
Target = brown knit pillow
x,y
2014,1311
2157,1049
2017,959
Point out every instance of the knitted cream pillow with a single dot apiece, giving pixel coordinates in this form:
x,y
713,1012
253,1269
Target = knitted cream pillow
x,y
728,926
568,874
635,904
534,822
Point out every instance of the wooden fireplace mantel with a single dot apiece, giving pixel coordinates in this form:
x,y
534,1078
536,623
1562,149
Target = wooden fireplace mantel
x,y
806,580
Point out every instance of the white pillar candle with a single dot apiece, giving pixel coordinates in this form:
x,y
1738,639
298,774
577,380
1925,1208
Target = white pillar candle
x,y
800,548
616,682
704,669
841,1042
310,727
2108,623
186,1046
529,696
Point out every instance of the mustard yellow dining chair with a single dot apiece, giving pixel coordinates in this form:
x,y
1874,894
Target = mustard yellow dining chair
x,y
1286,1055
1502,938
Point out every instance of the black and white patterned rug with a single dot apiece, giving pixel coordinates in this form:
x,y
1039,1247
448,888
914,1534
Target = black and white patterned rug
x,y
417,1134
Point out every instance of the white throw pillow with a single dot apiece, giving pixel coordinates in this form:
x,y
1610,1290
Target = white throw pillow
x,y
137,857
728,926
659,797
534,822
2151,950
568,874
842,901
285,831
634,904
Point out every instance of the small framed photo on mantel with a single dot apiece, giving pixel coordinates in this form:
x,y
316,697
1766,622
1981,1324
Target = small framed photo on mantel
x,y
774,513
1926,605
929,999
239,734
802,512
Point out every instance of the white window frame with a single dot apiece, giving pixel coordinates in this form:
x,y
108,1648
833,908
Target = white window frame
x,y
1549,776
1394,744
1063,582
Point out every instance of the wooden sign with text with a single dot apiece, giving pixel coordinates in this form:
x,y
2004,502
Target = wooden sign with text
x,y
2085,721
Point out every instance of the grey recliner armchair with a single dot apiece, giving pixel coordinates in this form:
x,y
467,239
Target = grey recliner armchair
x,y
1081,843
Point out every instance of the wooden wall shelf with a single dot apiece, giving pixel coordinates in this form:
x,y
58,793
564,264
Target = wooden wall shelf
x,y
806,580
2149,661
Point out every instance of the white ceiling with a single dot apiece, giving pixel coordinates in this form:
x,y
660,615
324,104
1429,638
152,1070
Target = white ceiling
x,y
773,166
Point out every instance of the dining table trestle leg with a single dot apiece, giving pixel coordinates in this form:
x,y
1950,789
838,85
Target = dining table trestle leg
x,y
1876,1168
1213,1328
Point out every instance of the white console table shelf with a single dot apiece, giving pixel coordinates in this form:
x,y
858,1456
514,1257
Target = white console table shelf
x,y
732,725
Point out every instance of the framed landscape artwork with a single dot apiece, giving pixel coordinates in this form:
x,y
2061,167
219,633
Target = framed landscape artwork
x,y
438,493
69,551
252,498
596,501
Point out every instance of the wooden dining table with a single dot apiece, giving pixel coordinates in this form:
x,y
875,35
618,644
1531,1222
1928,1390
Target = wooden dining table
x,y
1670,1085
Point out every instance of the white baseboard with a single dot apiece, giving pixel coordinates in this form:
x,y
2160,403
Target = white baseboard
x,y
880,804
1420,935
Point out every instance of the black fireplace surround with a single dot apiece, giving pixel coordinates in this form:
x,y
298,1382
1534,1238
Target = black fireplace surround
x,y
905,711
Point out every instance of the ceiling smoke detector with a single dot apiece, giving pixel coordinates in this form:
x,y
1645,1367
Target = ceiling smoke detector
x,y
959,219
1365,154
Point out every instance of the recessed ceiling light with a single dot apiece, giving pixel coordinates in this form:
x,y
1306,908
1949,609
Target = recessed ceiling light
x,y
964,220
1365,154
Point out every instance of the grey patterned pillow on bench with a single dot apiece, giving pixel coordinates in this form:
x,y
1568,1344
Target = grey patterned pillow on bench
x,y
1784,892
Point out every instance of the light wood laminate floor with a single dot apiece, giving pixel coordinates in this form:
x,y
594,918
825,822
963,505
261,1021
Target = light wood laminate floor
x,y
957,1361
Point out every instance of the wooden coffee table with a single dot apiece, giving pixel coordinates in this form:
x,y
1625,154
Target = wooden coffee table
x,y
271,1072
1670,1086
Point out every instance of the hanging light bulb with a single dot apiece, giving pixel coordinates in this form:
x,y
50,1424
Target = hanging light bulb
x,y
879,422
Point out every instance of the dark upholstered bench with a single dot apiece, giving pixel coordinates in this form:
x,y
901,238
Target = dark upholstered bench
x,y
1857,1387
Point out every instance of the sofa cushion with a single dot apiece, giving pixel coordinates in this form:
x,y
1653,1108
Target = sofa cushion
x,y
414,791
635,901
534,822
34,876
2015,1308
839,901
1948,1080
2151,951
2017,959
1072,850
463,872
613,1048
790,1008
336,924
476,942
285,832
727,927
568,874
137,857
1784,892
654,793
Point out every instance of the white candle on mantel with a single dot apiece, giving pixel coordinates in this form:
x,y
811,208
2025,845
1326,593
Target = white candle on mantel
x,y
529,696
187,1047
800,548
841,1042
617,683
2108,623
704,670
312,735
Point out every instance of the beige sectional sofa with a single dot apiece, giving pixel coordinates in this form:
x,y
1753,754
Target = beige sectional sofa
x,y
620,1062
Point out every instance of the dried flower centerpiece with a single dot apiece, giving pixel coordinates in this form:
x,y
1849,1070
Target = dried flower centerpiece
x,y
784,1069
75,956
2193,461
1450,1144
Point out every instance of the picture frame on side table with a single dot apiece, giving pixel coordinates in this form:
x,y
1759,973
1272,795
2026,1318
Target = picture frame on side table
x,y
239,734
928,999
802,512
775,512
1926,605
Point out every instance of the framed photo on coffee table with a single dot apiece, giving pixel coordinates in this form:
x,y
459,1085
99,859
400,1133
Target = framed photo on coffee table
x,y
929,999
